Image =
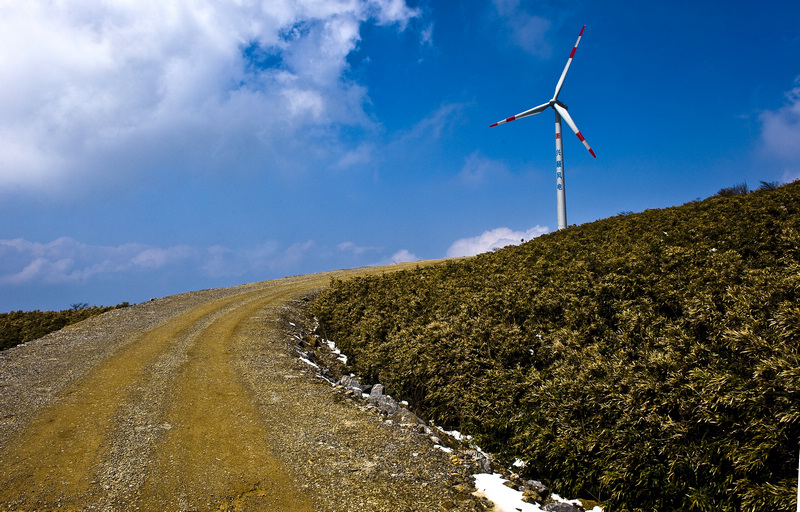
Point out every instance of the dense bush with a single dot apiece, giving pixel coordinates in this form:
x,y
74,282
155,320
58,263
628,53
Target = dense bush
x,y
650,361
738,189
20,326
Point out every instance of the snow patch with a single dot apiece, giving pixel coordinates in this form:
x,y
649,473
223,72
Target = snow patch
x,y
504,498
507,499
335,351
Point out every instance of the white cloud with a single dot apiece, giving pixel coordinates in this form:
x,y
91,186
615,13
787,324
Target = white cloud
x,y
155,257
526,30
780,134
431,127
360,155
221,261
494,239
426,36
293,255
356,249
112,88
479,169
395,11
403,256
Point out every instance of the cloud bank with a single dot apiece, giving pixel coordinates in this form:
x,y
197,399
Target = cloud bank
x,y
68,261
491,240
107,89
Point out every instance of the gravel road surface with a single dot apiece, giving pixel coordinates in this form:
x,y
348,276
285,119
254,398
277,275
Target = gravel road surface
x,y
196,402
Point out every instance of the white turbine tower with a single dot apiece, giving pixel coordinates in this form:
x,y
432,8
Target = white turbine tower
x,y
561,111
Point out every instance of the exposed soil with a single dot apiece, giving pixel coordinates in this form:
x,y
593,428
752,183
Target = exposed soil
x,y
195,402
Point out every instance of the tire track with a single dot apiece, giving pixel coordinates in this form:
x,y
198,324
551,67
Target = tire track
x,y
207,411
55,463
217,452
141,423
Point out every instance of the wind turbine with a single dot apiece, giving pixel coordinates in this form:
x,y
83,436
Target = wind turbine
x,y
561,112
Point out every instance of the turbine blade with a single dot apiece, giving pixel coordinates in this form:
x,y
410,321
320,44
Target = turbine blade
x,y
566,68
534,110
563,112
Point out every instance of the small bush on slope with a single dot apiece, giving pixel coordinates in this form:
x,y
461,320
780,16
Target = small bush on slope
x,y
649,361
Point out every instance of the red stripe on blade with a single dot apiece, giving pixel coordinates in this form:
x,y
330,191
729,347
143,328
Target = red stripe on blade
x,y
580,137
592,152
573,52
493,125
511,119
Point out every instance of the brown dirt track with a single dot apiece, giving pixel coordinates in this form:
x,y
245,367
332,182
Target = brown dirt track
x,y
193,402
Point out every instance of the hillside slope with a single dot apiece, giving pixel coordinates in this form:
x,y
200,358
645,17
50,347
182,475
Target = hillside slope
x,y
648,360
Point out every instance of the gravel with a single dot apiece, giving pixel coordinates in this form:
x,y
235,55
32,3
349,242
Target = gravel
x,y
316,449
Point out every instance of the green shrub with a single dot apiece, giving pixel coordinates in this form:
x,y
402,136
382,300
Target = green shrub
x,y
649,361
21,326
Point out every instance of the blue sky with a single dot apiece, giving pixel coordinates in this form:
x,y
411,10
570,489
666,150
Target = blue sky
x,y
150,148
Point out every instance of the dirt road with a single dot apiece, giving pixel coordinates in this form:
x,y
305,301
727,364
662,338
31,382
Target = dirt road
x,y
194,402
